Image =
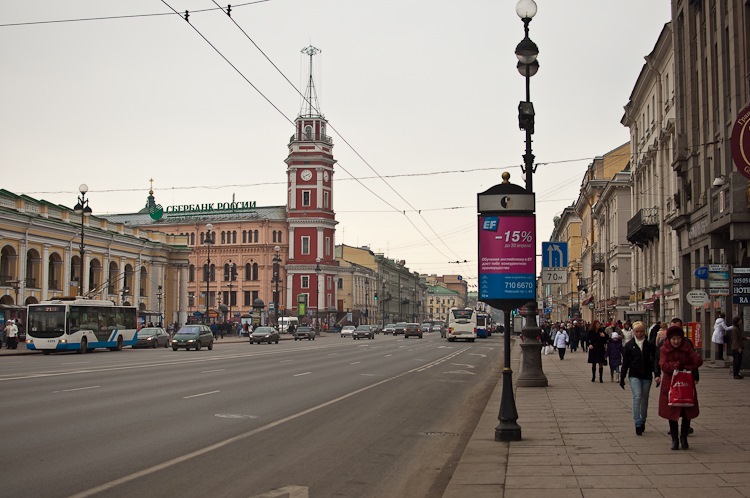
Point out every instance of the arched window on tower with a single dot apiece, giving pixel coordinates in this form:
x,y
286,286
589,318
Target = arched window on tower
x,y
279,240
308,132
192,239
234,236
223,237
203,237
191,273
248,271
255,271
255,236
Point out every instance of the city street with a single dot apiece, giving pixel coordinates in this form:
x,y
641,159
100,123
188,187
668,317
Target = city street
x,y
331,417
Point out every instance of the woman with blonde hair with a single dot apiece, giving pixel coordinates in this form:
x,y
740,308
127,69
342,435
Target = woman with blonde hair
x,y
640,366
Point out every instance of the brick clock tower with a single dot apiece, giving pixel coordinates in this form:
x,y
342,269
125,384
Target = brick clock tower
x,y
311,268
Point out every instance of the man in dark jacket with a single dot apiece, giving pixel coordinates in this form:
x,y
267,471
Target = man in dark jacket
x,y
639,364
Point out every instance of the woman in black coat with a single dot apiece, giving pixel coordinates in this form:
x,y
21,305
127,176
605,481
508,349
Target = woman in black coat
x,y
597,349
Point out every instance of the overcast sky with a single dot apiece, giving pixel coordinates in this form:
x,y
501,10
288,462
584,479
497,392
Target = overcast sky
x,y
423,92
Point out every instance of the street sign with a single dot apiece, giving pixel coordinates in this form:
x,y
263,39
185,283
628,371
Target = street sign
x,y
554,275
701,273
718,280
741,286
554,254
696,297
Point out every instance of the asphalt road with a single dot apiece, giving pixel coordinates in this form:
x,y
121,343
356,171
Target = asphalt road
x,y
324,418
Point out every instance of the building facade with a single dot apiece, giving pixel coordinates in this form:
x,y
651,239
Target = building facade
x,y
40,259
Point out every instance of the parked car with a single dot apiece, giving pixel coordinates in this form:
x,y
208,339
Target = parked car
x,y
193,336
363,332
425,327
375,329
389,329
152,337
347,331
264,334
436,327
412,329
400,328
304,332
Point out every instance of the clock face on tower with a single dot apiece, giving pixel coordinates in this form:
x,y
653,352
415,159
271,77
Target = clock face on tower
x,y
306,175
325,176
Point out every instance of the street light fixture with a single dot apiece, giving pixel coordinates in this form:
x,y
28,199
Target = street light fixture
x,y
528,65
82,209
208,241
159,295
276,268
317,297
232,276
367,301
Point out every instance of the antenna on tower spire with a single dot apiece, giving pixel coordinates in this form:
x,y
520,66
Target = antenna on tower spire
x,y
310,106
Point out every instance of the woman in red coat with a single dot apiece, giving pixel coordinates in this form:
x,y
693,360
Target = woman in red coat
x,y
677,354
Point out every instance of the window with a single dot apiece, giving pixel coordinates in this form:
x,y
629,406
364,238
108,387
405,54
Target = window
x,y
325,199
255,236
223,237
279,236
340,284
305,197
328,246
234,236
274,235
244,236
192,239
246,298
191,273
255,295
308,132
305,282
255,271
248,271
305,245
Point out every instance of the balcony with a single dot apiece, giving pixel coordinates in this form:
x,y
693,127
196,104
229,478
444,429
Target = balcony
x,y
598,262
644,227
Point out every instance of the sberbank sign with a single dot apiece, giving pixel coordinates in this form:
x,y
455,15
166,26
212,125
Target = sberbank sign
x,y
213,207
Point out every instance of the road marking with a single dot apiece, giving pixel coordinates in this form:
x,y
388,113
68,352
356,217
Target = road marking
x,y
461,372
301,374
386,356
477,354
463,365
355,362
286,492
213,371
75,389
201,394
193,454
234,415
285,361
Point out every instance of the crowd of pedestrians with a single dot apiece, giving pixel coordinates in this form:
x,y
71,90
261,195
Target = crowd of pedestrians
x,y
661,355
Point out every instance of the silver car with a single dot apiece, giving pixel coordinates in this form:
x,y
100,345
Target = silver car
x,y
264,334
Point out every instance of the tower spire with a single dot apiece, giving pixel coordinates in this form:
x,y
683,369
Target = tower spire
x,y
310,106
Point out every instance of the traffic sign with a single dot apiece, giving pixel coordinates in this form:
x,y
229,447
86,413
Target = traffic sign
x,y
554,275
554,254
696,297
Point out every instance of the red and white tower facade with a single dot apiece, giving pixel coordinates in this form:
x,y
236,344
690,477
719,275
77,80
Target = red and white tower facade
x,y
311,268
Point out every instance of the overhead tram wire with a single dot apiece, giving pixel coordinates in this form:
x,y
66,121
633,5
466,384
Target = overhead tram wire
x,y
312,106
269,101
126,16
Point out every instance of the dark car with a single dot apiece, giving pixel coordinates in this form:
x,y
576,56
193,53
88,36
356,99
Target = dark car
x,y
304,332
264,334
151,337
363,332
400,328
412,329
193,336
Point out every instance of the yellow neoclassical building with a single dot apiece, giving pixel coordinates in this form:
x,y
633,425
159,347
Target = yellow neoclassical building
x,y
41,251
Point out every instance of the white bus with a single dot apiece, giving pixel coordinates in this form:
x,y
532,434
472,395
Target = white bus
x,y
462,324
80,325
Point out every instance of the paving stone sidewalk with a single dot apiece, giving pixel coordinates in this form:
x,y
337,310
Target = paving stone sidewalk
x,y
578,440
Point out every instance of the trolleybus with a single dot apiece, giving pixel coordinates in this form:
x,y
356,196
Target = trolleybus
x,y
80,325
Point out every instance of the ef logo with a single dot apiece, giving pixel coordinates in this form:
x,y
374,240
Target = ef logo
x,y
490,224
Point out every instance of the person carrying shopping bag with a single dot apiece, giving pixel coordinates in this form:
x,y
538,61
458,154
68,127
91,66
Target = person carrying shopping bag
x,y
675,358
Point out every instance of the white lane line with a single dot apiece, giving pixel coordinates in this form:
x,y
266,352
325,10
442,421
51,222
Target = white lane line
x,y
386,356
355,363
301,374
201,394
202,451
285,361
213,371
75,389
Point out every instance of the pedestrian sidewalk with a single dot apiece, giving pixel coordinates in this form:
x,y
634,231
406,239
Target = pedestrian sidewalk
x,y
578,440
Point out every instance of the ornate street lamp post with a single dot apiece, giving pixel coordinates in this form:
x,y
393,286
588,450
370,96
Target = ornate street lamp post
x,y
159,295
276,278
317,288
208,241
367,301
82,209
